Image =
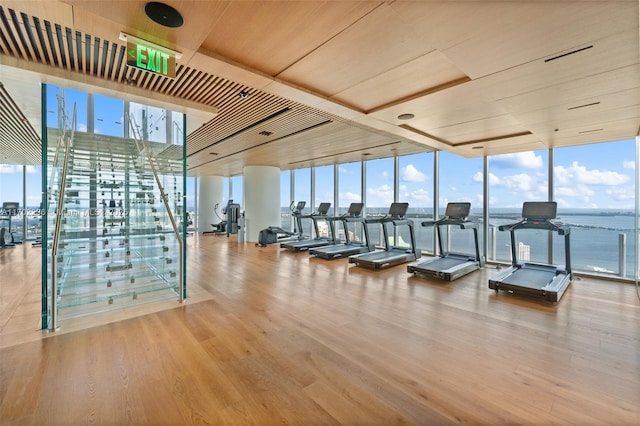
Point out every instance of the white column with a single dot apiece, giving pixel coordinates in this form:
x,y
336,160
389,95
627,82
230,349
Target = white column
x,y
261,199
210,194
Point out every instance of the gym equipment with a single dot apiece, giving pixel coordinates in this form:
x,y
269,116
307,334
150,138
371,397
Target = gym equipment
x,y
533,279
9,209
218,228
275,234
349,248
318,241
232,213
450,266
228,225
391,255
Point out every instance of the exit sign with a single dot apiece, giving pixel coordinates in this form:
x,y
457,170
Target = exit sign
x,y
149,57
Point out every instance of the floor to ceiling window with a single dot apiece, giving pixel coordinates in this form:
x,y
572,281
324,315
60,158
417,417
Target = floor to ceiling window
x,y
416,188
461,180
11,180
323,193
379,180
594,188
285,200
514,179
302,192
236,191
350,191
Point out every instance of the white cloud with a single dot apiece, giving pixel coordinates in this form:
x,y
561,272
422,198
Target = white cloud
x,y
623,193
420,195
411,174
349,196
493,179
32,169
380,196
577,191
631,165
344,171
526,160
577,174
9,168
519,182
81,127
385,175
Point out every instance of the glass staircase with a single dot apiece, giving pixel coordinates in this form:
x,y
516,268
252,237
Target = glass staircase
x,y
114,237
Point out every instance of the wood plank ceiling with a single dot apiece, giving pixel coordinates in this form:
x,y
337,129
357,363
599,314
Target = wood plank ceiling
x,y
327,80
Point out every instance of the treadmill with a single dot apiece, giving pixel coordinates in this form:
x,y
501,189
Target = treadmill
x,y
538,280
391,255
337,251
450,266
306,244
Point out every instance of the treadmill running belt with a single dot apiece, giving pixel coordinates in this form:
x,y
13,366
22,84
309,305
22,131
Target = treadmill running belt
x,y
531,278
442,263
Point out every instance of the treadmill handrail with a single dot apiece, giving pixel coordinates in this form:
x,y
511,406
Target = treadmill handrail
x,y
537,224
463,223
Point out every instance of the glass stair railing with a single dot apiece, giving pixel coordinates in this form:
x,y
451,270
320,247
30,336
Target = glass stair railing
x,y
113,235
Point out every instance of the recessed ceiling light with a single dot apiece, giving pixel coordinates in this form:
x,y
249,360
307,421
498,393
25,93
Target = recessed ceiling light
x,y
163,14
213,153
244,94
405,116
477,147
366,153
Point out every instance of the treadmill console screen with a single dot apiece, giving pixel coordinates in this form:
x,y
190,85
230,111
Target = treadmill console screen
x,y
323,208
539,210
355,209
458,210
300,205
398,209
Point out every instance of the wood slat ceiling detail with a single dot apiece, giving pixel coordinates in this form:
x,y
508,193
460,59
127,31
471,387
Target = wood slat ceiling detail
x,y
19,142
33,39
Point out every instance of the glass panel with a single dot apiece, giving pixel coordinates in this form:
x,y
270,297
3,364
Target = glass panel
x,y
514,179
460,181
594,188
379,186
109,119
350,191
285,200
11,212
349,184
115,210
191,202
34,200
324,186
237,190
302,192
324,194
416,188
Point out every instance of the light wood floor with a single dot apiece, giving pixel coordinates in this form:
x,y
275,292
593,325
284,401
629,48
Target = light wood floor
x,y
275,337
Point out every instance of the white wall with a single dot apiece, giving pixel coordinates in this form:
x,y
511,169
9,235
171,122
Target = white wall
x,y
210,194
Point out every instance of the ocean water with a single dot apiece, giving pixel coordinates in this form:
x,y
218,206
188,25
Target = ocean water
x,y
594,239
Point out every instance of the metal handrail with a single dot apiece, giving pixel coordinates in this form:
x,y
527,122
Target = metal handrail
x,y
56,231
139,140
